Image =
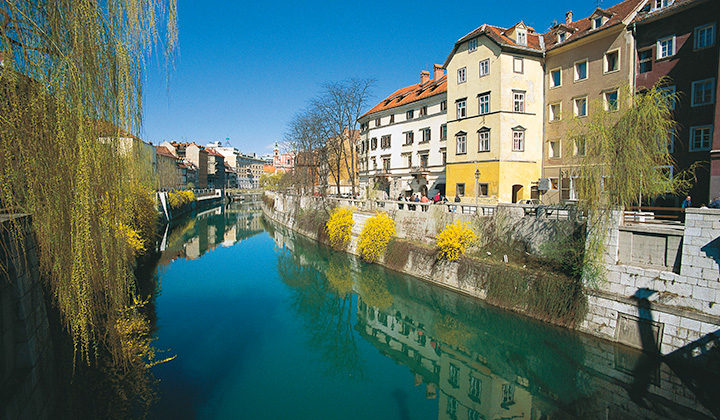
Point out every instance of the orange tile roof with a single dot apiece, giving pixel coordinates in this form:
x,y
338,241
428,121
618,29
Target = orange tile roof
x,y
164,151
410,94
498,35
583,27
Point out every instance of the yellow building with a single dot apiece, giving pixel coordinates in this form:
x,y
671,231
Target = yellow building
x,y
495,114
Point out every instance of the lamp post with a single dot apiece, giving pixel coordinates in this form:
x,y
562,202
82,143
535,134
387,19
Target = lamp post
x,y
477,187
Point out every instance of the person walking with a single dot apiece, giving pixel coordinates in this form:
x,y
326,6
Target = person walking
x,y
685,204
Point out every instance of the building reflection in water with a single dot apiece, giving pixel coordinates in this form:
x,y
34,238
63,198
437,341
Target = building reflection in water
x,y
478,361
219,226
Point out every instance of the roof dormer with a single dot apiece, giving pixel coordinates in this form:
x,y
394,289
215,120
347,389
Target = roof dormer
x,y
659,4
519,33
599,18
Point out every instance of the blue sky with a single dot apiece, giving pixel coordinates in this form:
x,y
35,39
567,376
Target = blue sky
x,y
244,69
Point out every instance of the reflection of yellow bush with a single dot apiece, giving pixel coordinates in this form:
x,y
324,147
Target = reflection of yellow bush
x,y
373,290
339,226
375,236
454,240
339,276
452,332
177,199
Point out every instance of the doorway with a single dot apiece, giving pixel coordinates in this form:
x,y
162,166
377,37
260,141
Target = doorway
x,y
517,192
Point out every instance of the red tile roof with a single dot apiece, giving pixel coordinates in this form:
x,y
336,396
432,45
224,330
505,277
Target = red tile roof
x,y
646,13
163,151
583,27
410,94
500,37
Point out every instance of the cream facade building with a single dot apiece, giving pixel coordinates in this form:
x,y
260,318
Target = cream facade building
x,y
403,138
588,63
495,114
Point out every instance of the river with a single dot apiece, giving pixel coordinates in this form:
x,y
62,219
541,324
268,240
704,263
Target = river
x,y
267,324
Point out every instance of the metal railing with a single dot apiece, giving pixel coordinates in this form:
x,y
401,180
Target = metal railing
x,y
654,215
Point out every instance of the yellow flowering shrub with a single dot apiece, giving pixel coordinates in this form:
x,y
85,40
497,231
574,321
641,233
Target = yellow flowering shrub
x,y
177,199
375,236
339,226
454,240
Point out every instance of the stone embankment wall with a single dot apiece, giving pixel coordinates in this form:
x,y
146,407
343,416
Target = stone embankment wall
x,y
26,356
644,305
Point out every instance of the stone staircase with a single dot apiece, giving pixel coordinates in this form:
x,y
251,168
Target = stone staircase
x,y
360,219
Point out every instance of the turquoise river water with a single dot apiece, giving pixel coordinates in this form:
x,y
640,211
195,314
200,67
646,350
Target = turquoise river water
x,y
266,324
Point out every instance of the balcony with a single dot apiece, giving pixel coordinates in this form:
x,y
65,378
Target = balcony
x,y
422,169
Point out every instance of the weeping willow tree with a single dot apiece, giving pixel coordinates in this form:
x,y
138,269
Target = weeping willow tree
x,y
70,69
621,156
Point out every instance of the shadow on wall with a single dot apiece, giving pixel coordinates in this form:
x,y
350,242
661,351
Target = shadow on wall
x,y
696,364
712,250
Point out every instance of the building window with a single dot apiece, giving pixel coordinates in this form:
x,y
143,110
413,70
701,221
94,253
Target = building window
x,y
452,405
580,107
443,132
597,22
554,184
704,36
444,156
462,75
518,101
580,146
659,4
473,415
484,103
443,106
669,94
554,149
518,139
409,160
484,67
386,164
561,37
700,138
484,140
424,161
373,143
645,60
612,61
453,373
483,189
461,143
508,394
521,37
666,47
409,115
472,45
423,111
581,70
461,109
425,135
518,65
377,122
409,137
703,92
555,112
374,164
555,78
385,141
460,189
611,100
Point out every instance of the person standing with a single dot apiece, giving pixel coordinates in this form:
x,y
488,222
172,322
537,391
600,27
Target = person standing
x,y
687,203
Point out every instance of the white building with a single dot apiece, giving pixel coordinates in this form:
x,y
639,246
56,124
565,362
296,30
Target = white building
x,y
403,140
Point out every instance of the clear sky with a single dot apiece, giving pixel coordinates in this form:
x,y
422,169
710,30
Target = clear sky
x,y
245,68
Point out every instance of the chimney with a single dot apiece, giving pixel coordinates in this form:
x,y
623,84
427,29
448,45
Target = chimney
x,y
568,17
438,71
424,77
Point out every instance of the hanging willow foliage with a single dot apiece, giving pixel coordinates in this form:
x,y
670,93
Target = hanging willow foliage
x,y
622,157
71,69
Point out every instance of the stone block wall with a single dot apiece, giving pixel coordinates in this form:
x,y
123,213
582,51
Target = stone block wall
x,y
27,373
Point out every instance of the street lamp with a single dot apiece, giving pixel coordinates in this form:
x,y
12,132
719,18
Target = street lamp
x,y
477,187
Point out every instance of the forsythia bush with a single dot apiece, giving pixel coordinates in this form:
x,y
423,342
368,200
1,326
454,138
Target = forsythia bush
x,y
177,199
339,226
375,236
454,240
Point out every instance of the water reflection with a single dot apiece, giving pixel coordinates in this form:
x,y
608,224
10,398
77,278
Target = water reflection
x,y
478,361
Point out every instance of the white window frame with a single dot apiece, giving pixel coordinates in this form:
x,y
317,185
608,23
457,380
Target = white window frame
x,y
461,108
552,79
484,101
696,36
576,109
426,134
712,92
462,75
595,22
409,138
551,149
521,37
518,101
461,143
443,106
518,63
606,102
484,69
518,139
577,73
699,128
484,139
561,37
472,45
659,47
553,117
606,66
659,4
